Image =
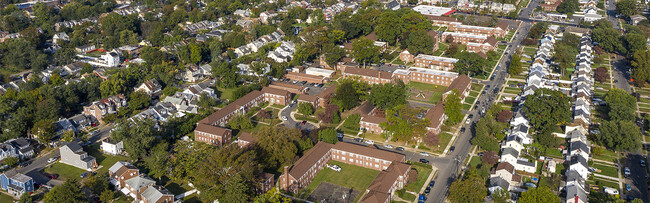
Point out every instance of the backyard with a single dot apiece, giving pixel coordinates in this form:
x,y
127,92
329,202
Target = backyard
x,y
354,177
426,92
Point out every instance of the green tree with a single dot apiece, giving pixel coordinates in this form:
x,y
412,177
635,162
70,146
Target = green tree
x,y
419,41
471,189
641,64
568,6
237,190
43,130
388,96
470,63
347,95
501,196
240,121
107,196
272,196
608,38
619,135
541,194
627,8
96,183
158,160
26,198
635,42
138,136
364,51
403,124
388,27
621,105
138,100
277,145
69,191
515,67
547,108
306,108
11,161
453,108
352,122
328,135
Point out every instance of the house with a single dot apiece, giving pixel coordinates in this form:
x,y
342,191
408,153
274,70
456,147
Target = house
x,y
60,37
463,84
371,124
406,56
151,87
85,48
635,19
16,184
245,139
245,24
392,5
192,74
276,96
310,99
98,109
63,126
135,186
157,194
111,146
80,121
122,171
504,171
25,150
73,67
72,154
266,15
7,150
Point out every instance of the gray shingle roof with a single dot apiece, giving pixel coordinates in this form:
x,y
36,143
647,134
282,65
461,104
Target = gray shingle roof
x,y
510,151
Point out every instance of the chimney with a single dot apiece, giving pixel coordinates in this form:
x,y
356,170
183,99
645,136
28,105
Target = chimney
x,y
286,177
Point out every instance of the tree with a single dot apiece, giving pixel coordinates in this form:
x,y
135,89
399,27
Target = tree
x,y
43,130
96,183
26,198
515,67
471,189
347,97
306,108
403,124
237,190
138,100
608,38
272,196
352,122
11,161
601,74
641,64
277,145
635,42
364,51
389,95
264,114
453,107
328,135
621,105
568,6
501,196
388,28
619,135
627,8
540,194
547,108
107,196
240,121
470,63
431,139
69,191
158,160
489,158
504,116
537,30
419,41
138,136
331,111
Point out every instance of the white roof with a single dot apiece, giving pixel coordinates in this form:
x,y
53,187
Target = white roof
x,y
437,58
431,10
433,72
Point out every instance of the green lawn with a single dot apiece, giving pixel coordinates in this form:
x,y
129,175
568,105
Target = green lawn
x,y
445,137
441,48
405,195
351,176
610,171
176,188
225,93
64,171
475,161
6,198
104,160
310,119
423,173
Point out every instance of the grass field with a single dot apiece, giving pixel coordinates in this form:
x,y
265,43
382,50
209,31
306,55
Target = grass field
x,y
475,161
225,93
437,90
423,173
6,198
610,171
64,171
355,177
105,160
445,137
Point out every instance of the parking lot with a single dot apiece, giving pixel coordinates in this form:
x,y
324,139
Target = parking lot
x,y
313,88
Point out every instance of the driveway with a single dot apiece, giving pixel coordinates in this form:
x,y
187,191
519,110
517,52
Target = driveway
x,y
292,123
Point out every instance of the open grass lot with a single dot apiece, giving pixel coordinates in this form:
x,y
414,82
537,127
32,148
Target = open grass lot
x,y
104,160
610,171
436,90
351,176
6,198
225,93
65,171
405,195
423,173
475,161
602,182
445,137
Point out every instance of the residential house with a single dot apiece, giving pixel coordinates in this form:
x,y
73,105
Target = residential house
x,y
112,147
135,186
504,172
150,87
122,171
16,184
85,48
157,194
60,37
98,109
72,154
73,68
462,84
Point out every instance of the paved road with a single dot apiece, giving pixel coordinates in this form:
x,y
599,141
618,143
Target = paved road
x,y
39,163
290,122
637,178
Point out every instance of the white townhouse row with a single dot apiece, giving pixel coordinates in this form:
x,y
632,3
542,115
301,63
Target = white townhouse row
x,y
254,46
283,53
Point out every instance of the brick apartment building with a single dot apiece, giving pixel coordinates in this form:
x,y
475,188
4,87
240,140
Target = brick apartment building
x,y
443,21
499,31
462,83
325,95
550,5
475,43
436,116
289,87
423,75
368,75
392,177
406,56
101,108
306,77
305,98
435,62
371,124
212,129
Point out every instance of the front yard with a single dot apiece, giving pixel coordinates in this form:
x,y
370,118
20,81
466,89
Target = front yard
x,y
64,171
423,174
355,177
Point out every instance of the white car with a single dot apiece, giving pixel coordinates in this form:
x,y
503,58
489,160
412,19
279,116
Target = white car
x,y
468,121
335,168
51,160
424,154
388,146
369,142
284,118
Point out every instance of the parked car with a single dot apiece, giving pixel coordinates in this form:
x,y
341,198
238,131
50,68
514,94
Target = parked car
x,y
480,154
427,191
335,168
400,148
462,130
471,115
627,172
467,121
424,161
642,163
51,160
284,118
433,182
452,148
422,198
388,146
628,187
358,139
53,176
369,142
424,153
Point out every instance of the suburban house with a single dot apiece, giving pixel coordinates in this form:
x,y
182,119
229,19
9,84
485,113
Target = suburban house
x,y
60,37
157,194
73,67
16,183
98,109
151,87
135,186
392,177
111,146
72,154
122,171
504,177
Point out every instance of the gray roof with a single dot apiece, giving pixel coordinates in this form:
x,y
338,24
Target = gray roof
x,y
154,193
14,175
510,151
74,147
522,162
117,166
574,191
499,181
139,182
572,175
513,138
579,145
20,143
579,160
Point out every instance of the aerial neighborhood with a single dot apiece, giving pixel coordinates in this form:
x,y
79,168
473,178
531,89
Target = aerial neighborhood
x,y
365,101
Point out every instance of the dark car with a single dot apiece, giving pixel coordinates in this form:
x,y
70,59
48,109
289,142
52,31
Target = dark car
x,y
83,175
480,154
462,130
303,122
427,191
422,197
358,139
452,148
400,148
433,182
424,161
471,115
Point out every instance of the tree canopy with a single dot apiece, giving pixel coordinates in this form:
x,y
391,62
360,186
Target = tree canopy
x,y
389,95
403,124
470,189
619,135
620,105
453,108
547,108
540,194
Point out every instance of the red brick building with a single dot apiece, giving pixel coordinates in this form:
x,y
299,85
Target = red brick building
x,y
462,83
442,21
212,135
371,124
406,56
276,96
245,139
435,62
499,31
306,77
424,75
289,87
325,95
122,171
313,100
368,75
436,116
